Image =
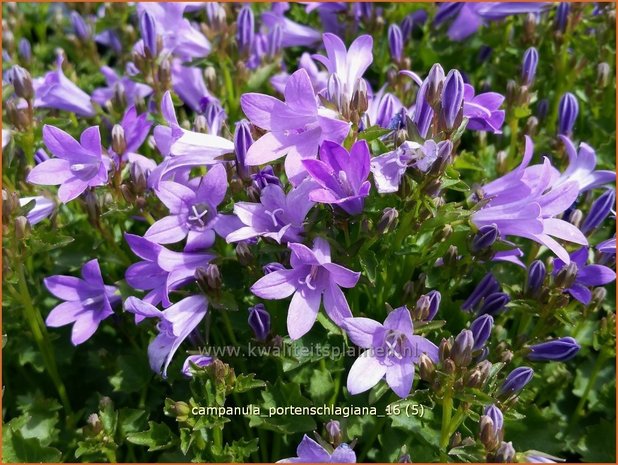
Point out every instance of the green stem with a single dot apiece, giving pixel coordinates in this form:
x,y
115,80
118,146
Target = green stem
x,y
447,412
603,356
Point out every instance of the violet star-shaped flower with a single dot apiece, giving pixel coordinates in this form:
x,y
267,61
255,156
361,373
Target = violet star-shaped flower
x,y
313,277
342,175
161,270
43,207
88,301
483,111
296,127
587,275
77,166
175,325
293,33
318,78
188,83
278,216
130,89
392,351
309,451
193,212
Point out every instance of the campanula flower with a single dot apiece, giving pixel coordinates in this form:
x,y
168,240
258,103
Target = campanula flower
x,y
481,330
482,110
516,380
581,169
76,166
197,360
130,89
43,207
599,211
259,321
557,350
392,351
342,175
312,279
452,98
292,33
309,451
318,78
587,275
296,127
528,68
278,216
174,326
188,83
88,301
568,110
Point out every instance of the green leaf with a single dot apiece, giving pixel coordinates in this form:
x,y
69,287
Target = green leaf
x,y
373,133
369,262
248,382
321,385
157,437
16,448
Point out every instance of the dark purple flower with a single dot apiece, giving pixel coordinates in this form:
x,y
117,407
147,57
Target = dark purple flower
x,y
77,166
429,92
542,108
599,210
342,175
536,276
567,114
309,451
486,286
485,237
242,142
427,305
587,275
557,350
312,278
392,351
481,330
245,29
496,416
581,167
395,42
259,321
516,381
561,19
88,301
264,177
482,110
528,69
452,98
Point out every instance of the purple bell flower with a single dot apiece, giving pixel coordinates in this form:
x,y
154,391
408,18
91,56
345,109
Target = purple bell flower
x,y
481,330
259,321
496,416
245,29
452,98
568,110
24,49
516,381
197,360
395,42
528,69
557,350
264,177
309,451
599,210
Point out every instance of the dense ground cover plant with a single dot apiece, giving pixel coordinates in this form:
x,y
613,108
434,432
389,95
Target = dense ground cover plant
x,y
309,232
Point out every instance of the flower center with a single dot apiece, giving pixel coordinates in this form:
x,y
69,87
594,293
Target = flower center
x,y
197,216
394,345
310,279
273,216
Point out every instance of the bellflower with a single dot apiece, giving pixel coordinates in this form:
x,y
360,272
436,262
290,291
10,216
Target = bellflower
x,y
587,275
77,166
43,207
88,301
557,350
200,361
56,91
342,175
348,64
599,211
486,286
292,33
525,202
568,110
175,325
296,127
318,78
130,89
383,106
452,98
392,351
278,216
161,270
581,167
607,247
188,83
483,111
309,451
193,212
312,278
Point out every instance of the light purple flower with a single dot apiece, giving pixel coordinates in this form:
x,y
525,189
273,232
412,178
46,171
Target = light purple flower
x,y
292,33
587,275
607,247
161,270
43,207
392,351
278,216
188,83
88,301
56,91
525,203
135,129
197,360
193,212
313,277
483,111
77,166
383,107
130,89
309,451
175,324
318,78
296,127
342,175
581,167
348,65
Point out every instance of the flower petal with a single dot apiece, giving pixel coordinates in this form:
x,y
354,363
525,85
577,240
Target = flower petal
x,y
303,312
365,373
276,285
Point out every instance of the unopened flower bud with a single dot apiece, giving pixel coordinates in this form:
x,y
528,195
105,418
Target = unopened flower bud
x,y
434,83
94,424
557,350
119,143
481,330
24,49
148,30
448,366
528,68
603,75
485,237
496,416
259,321
599,294
566,276
452,99
333,429
461,352
542,108
81,29
568,110
389,220
561,20
210,75
200,124
245,30
506,453
487,433
515,381
22,227
360,102
274,40
478,376
599,210
22,82
444,349
165,73
427,306
532,124
536,277
243,252
209,277
395,42
451,256
242,142
426,368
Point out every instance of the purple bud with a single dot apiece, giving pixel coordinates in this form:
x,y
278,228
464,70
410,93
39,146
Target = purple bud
x,y
386,110
333,428
40,156
334,91
496,416
516,380
406,27
461,352
264,177
485,237
434,304
599,210
22,82
80,28
427,306
558,350
505,453
452,98
481,330
245,29
494,303
24,49
148,30
536,276
395,42
542,108
528,69
562,16
434,83
567,113
275,40
242,142
271,267
197,360
259,321
487,285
